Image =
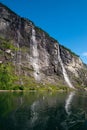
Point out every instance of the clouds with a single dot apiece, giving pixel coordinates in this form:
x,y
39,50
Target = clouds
x,y
84,54
84,57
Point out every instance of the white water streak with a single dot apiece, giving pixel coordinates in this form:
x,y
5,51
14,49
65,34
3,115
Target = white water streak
x,y
35,59
19,57
45,52
64,71
34,112
68,102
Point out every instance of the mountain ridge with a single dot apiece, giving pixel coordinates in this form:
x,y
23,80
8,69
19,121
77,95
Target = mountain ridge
x,y
35,58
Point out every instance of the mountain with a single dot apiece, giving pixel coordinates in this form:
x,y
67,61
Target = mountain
x,y
31,59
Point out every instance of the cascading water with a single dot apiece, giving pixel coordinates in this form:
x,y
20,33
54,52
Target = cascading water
x,y
46,60
64,71
19,54
19,58
68,102
35,55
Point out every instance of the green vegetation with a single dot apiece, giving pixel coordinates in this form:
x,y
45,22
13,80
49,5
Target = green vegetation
x,y
31,85
70,51
7,44
11,80
6,77
38,29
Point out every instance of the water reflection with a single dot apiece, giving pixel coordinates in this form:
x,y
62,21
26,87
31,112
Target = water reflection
x,y
69,102
35,111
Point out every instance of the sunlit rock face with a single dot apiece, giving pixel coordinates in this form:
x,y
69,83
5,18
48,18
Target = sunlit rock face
x,y
76,69
73,63
38,55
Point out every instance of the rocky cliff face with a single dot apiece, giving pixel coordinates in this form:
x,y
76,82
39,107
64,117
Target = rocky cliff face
x,y
31,54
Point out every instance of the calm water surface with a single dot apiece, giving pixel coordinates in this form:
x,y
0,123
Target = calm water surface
x,y
38,111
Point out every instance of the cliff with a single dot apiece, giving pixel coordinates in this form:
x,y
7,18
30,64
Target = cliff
x,y
30,58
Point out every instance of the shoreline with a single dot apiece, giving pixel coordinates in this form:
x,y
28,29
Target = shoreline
x,y
61,90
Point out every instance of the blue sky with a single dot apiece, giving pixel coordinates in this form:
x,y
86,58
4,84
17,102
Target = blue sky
x,y
65,20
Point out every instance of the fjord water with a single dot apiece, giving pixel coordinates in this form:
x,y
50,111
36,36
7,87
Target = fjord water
x,y
43,111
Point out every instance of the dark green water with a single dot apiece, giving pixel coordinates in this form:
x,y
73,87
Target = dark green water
x,y
36,111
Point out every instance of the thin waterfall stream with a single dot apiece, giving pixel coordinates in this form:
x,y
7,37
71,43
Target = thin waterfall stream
x,y
64,71
19,58
35,54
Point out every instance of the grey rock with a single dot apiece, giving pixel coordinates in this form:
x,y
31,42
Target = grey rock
x,y
19,31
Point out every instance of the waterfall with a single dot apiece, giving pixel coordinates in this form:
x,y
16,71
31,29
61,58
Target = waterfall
x,y
68,102
64,71
18,53
35,55
46,60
